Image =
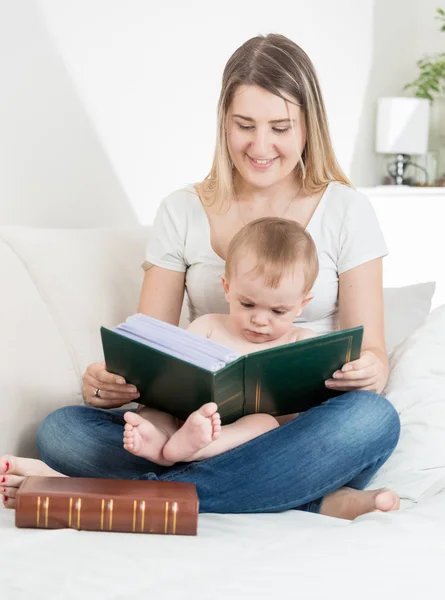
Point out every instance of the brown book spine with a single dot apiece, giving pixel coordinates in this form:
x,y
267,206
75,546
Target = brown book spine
x,y
92,513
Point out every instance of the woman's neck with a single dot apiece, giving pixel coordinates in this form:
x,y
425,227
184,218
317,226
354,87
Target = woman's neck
x,y
276,195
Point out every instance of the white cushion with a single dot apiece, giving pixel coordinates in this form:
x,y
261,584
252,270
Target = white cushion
x,y
58,288
87,278
416,387
37,374
405,309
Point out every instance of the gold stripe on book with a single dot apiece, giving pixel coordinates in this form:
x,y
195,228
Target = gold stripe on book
x,y
70,513
134,515
38,512
142,515
102,510
174,511
349,350
257,397
110,511
46,511
229,399
166,518
78,506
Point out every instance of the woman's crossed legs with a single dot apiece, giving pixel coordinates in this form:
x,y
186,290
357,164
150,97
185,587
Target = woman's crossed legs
x,y
319,462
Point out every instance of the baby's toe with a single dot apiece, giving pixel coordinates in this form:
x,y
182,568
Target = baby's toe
x,y
209,409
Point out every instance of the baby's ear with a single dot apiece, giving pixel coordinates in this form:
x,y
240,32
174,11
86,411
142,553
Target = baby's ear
x,y
225,284
305,300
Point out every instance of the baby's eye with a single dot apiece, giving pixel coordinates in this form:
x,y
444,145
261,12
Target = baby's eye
x,y
278,312
246,304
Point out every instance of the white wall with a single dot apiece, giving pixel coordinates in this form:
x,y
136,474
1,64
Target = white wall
x,y
110,105
54,171
149,75
392,61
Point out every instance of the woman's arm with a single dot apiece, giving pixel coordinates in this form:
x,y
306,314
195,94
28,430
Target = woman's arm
x,y
162,294
161,297
361,303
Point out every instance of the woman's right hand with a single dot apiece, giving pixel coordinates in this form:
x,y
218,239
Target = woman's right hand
x,y
114,391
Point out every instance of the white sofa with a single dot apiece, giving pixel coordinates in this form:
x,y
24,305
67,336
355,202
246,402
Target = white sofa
x,y
57,288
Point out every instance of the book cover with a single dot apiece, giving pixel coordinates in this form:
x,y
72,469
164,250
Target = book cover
x,y
131,506
278,381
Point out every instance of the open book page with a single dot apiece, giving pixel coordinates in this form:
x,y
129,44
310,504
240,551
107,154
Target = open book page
x,y
177,342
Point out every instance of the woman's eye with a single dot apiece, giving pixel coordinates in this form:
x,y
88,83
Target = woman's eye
x,y
246,304
280,130
245,127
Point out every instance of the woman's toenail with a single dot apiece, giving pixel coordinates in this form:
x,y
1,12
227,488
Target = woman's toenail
x,y
5,498
3,479
7,467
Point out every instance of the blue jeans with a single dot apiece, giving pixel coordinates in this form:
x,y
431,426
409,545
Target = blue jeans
x,y
340,443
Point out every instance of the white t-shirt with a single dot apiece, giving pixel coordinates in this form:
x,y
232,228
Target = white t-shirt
x,y
344,228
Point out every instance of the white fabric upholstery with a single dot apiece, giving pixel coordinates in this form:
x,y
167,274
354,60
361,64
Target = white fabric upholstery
x,y
58,288
405,309
416,387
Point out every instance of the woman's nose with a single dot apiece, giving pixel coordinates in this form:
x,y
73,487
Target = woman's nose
x,y
260,144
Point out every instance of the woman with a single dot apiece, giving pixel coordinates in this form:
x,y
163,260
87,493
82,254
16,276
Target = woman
x,y
273,157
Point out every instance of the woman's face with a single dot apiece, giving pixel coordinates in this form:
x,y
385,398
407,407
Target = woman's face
x,y
266,136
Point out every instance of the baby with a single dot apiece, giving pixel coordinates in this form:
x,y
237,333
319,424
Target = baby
x,y
271,267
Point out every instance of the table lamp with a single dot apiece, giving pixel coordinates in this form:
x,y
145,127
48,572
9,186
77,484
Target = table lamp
x,y
402,129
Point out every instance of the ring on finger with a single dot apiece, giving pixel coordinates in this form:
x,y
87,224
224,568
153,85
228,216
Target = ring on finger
x,y
97,393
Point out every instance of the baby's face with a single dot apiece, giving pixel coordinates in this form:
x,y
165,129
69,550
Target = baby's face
x,y
261,313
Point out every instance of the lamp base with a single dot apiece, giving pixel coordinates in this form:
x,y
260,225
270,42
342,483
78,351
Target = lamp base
x,y
397,169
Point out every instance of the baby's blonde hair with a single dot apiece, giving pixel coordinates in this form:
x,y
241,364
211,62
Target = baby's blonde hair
x,y
278,245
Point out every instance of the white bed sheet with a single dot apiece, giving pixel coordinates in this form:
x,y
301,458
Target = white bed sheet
x,y
286,555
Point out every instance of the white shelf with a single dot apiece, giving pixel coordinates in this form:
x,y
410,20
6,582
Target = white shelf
x,y
402,190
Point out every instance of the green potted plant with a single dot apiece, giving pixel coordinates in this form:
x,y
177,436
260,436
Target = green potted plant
x,y
431,78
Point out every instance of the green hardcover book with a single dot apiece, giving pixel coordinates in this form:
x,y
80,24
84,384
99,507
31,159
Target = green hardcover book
x,y
279,381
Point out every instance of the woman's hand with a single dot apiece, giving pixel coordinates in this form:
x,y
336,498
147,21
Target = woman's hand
x,y
366,373
114,391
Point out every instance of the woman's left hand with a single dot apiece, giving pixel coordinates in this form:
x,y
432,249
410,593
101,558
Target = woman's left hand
x,y
366,373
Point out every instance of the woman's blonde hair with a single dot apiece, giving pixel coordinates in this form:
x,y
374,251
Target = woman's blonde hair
x,y
278,65
278,246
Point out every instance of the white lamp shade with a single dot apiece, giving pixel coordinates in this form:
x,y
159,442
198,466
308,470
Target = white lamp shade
x,y
402,125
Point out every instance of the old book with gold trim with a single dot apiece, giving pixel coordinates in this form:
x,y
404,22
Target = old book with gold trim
x,y
131,506
279,381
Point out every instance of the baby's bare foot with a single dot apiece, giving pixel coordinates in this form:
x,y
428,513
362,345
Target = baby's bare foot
x,y
144,439
14,469
347,503
200,429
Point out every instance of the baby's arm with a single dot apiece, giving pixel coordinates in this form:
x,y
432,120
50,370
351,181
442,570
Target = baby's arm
x,y
202,326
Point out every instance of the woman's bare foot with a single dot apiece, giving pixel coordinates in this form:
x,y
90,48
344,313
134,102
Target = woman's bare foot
x,y
347,503
143,438
14,469
200,429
